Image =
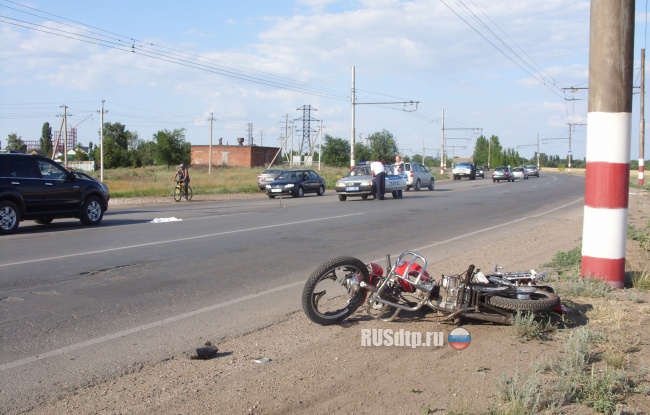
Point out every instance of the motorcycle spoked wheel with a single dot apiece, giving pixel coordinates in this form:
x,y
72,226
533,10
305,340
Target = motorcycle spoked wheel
x,y
538,301
328,297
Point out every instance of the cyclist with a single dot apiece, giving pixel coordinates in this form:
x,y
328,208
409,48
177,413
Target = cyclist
x,y
183,175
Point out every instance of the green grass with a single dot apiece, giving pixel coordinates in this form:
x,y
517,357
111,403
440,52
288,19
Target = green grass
x,y
574,380
567,259
634,181
641,280
523,395
529,326
571,283
641,236
574,285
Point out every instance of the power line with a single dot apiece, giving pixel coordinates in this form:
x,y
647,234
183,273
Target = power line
x,y
539,68
191,60
520,65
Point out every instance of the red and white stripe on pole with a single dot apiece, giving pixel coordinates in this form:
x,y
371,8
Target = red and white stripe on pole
x,y
606,196
609,121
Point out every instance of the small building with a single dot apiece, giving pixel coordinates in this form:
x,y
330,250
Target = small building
x,y
235,156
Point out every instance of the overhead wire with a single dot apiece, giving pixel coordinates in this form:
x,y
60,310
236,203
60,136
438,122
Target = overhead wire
x,y
148,49
539,67
519,64
171,55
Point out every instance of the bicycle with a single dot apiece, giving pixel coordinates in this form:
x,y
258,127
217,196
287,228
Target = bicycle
x,y
179,191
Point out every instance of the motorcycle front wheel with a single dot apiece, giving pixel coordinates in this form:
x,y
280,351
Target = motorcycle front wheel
x,y
332,292
538,301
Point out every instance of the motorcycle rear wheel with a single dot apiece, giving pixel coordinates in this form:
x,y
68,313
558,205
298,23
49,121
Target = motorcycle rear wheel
x,y
332,292
538,301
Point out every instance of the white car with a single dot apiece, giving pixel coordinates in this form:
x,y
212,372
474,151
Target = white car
x,y
418,176
520,173
359,182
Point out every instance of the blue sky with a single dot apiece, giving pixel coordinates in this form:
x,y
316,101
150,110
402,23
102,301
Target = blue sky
x,y
495,65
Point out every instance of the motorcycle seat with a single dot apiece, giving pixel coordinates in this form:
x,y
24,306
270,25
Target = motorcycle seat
x,y
489,288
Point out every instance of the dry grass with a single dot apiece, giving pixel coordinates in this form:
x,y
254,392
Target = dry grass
x,y
609,313
159,181
641,280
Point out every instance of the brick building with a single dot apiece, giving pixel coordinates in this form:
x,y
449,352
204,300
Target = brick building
x,y
235,156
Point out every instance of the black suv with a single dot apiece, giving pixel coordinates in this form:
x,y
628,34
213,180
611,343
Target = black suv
x,y
37,188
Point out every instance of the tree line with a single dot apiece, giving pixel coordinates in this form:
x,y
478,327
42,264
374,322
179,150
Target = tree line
x,y
383,146
122,148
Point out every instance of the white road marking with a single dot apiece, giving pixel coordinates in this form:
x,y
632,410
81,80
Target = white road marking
x,y
120,248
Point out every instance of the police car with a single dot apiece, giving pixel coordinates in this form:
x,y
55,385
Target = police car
x,y
360,183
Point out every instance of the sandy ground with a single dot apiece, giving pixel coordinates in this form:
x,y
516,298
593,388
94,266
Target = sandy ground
x,y
313,369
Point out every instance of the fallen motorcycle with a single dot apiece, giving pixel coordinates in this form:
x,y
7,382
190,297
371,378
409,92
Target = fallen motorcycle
x,y
340,286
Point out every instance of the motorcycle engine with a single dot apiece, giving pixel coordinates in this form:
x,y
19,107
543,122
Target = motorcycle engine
x,y
449,291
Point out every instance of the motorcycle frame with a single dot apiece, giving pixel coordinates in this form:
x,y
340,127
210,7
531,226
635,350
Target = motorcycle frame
x,y
423,285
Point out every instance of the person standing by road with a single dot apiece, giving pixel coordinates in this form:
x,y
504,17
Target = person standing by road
x,y
398,168
379,174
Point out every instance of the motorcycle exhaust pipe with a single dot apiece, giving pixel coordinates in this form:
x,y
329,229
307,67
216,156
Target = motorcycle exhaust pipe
x,y
368,287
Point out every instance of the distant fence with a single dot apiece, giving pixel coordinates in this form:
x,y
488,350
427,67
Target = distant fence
x,y
82,165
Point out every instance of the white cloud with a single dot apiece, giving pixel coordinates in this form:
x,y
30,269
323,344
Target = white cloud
x,y
416,49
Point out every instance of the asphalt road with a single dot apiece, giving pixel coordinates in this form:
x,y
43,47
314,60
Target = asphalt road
x,y
81,303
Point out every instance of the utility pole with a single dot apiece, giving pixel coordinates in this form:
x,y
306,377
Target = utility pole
x,y
611,70
490,151
286,128
352,140
320,144
453,150
352,133
65,139
537,153
101,142
58,137
570,152
445,138
210,156
423,150
642,126
442,146
261,138
291,156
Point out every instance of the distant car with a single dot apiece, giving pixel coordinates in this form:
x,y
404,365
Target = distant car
x,y
267,176
464,169
502,173
418,176
85,176
360,183
486,168
480,172
296,183
532,170
520,173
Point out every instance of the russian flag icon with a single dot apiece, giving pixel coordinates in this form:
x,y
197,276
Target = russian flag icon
x,y
459,338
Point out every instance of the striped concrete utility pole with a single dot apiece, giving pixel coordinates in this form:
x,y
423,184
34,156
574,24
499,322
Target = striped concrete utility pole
x,y
609,122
